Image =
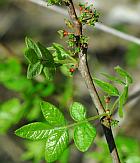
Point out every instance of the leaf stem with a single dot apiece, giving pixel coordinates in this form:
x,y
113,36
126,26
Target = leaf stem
x,y
64,61
72,61
114,105
72,58
88,119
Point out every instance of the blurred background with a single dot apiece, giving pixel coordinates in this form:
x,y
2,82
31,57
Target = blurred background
x,y
20,97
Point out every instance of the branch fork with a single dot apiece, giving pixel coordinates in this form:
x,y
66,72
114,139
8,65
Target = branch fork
x,y
85,73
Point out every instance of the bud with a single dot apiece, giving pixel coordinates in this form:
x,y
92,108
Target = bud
x,y
81,8
107,100
72,70
63,33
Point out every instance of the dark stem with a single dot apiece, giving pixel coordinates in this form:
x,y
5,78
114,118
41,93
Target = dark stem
x,y
85,73
111,144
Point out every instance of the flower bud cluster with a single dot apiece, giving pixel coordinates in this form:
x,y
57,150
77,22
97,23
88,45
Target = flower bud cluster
x,y
88,15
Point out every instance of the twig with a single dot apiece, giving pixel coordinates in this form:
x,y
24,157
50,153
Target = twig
x,y
85,73
84,70
117,33
99,26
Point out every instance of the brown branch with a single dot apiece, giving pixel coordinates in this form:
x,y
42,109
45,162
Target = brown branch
x,y
85,73
74,18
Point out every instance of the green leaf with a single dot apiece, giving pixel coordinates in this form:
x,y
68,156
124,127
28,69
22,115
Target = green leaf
x,y
107,87
122,100
112,78
61,53
38,51
56,144
47,57
124,74
31,56
84,134
78,111
52,114
32,45
49,73
34,70
35,131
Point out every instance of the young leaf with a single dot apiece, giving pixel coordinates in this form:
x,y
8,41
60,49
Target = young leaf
x,y
78,111
61,53
49,73
31,56
122,100
34,70
35,131
112,78
107,87
52,114
32,45
46,55
124,74
84,134
56,144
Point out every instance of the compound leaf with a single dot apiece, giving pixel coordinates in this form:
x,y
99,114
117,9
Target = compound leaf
x,y
78,111
84,134
107,87
52,114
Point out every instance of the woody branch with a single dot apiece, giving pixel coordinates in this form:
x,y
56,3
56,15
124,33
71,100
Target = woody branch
x,y
85,73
